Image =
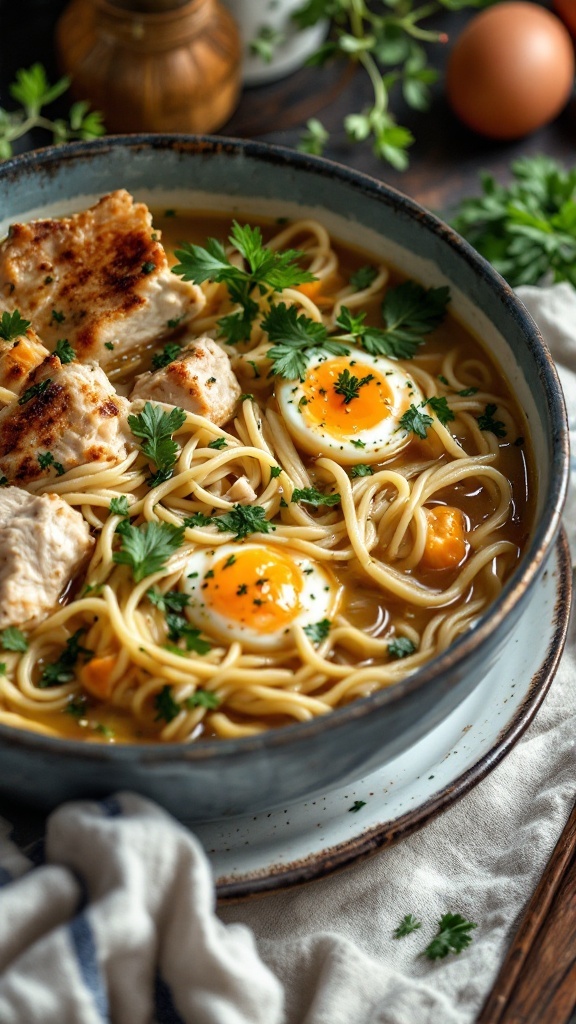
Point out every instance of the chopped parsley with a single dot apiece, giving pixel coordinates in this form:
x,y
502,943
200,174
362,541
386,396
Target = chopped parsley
x,y
442,409
47,459
64,351
172,600
197,519
318,631
169,353
62,671
57,317
358,444
257,373
453,936
401,647
12,639
120,506
147,548
363,278
165,706
3,481
109,346
295,338
244,520
202,699
361,470
149,267
218,443
180,629
12,325
416,421
156,428
172,324
349,386
35,390
356,806
486,421
467,392
407,925
312,496
275,471
3,667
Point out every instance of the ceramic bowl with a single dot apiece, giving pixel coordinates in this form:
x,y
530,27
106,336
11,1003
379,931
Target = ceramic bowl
x,y
216,779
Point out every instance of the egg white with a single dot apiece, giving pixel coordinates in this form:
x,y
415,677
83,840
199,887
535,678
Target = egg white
x,y
374,444
318,597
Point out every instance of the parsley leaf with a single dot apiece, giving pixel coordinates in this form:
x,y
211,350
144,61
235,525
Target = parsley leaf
x,y
363,278
12,639
47,459
410,312
218,443
64,351
35,390
165,706
407,925
349,386
244,520
202,699
119,506
401,647
356,806
486,421
275,471
180,629
62,671
361,470
146,549
157,427
442,409
318,631
453,936
295,338
172,600
312,496
198,519
12,325
167,355
416,421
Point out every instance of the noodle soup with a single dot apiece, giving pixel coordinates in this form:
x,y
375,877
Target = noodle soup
x,y
360,511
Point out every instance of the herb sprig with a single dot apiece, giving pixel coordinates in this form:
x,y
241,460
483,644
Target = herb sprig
x,y
13,325
146,549
156,427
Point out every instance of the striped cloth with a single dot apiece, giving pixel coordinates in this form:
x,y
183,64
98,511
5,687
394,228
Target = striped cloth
x,y
112,919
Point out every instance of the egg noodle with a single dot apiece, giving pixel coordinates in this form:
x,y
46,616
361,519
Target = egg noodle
x,y
372,543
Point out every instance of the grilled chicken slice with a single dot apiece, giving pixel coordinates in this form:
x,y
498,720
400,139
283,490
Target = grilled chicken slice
x,y
18,357
99,278
69,412
201,381
43,543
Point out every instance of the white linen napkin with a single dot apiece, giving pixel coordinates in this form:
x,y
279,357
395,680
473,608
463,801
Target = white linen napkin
x,y
118,923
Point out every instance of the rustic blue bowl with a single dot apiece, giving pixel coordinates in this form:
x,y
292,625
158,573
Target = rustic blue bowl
x,y
230,777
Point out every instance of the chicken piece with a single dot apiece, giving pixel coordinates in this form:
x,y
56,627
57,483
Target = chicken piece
x,y
241,492
99,278
43,543
18,357
68,412
201,381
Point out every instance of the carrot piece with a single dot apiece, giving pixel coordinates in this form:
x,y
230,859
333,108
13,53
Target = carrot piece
x,y
314,289
445,538
96,676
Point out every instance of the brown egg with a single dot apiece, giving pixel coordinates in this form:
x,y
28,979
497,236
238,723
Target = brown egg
x,y
511,70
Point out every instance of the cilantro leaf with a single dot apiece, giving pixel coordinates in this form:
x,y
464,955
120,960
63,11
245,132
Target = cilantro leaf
x,y
165,706
416,421
62,671
167,355
244,520
172,600
486,421
156,428
318,631
401,647
312,496
361,469
12,639
12,325
407,925
120,506
146,549
64,351
442,409
453,936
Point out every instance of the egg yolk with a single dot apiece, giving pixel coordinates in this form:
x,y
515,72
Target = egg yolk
x,y
260,589
345,397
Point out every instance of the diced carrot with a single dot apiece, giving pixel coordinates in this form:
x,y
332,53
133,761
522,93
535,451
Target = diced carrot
x,y
96,676
314,290
445,538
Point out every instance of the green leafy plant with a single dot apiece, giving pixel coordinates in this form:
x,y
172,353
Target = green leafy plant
x,y
32,90
385,38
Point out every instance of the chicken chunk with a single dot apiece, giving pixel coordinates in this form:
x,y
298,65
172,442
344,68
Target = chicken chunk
x,y
201,381
67,415
99,278
43,543
241,492
18,357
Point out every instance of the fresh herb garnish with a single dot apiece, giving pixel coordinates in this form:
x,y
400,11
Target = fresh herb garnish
x,y
218,443
486,421
62,671
361,470
356,806
349,386
64,351
149,267
156,428
410,312
47,459
244,520
359,444
275,471
172,600
12,325
57,316
34,391
146,549
363,278
3,481
295,337
442,409
165,706
467,392
416,421
180,629
169,353
401,647
12,639
198,519
453,936
312,496
120,506
318,631
202,699
408,924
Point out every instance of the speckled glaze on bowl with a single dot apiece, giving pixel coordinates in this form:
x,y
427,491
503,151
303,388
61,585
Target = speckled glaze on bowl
x,y
223,778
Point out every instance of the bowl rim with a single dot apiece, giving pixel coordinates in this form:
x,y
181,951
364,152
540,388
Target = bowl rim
x,y
533,557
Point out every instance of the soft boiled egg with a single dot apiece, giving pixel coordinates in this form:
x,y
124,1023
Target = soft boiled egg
x,y
255,594
349,406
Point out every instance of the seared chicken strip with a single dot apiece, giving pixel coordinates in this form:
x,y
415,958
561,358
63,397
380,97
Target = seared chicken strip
x,y
201,381
99,278
66,415
43,543
18,357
